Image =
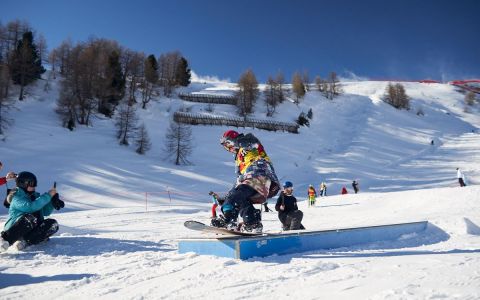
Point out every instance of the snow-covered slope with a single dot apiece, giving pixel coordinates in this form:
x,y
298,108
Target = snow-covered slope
x,y
109,246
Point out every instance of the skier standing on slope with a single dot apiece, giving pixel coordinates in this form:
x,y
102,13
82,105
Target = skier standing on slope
x,y
26,224
461,178
256,182
355,186
323,189
312,195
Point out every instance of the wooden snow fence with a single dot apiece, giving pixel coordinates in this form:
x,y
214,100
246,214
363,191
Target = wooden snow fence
x,y
209,98
198,119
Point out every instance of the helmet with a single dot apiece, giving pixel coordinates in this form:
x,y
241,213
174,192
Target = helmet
x,y
26,179
228,139
287,184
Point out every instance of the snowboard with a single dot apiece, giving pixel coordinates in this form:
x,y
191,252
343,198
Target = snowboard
x,y
199,226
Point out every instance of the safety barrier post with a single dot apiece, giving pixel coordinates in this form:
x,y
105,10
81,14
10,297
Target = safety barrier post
x,y
169,197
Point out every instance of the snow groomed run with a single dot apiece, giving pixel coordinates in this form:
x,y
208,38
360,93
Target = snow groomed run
x,y
242,247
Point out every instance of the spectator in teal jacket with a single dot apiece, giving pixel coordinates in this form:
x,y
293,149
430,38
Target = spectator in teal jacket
x,y
26,224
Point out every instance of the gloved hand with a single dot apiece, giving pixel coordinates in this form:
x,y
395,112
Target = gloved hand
x,y
56,202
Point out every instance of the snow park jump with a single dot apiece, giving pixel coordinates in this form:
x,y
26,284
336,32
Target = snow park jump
x,y
246,247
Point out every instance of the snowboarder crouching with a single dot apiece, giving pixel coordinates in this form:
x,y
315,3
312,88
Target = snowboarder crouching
x,y
288,212
256,182
26,224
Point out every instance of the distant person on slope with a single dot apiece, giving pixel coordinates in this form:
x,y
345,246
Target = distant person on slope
x,y
288,213
344,191
355,186
256,182
26,224
461,178
323,189
312,195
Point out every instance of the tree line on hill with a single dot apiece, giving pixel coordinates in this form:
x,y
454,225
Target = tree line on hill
x,y
275,92
100,76
97,76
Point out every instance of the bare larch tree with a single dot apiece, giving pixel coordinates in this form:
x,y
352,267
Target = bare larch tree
x,y
178,143
142,141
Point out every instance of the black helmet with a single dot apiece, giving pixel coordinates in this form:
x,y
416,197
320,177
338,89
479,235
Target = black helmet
x,y
26,179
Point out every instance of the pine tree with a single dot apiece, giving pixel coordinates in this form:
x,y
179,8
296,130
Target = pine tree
x,y
183,74
5,103
114,84
151,69
26,64
151,79
142,141
115,79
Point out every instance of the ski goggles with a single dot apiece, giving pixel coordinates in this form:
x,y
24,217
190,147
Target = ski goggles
x,y
227,144
31,183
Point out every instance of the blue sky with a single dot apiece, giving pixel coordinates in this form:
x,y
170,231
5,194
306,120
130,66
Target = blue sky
x,y
371,38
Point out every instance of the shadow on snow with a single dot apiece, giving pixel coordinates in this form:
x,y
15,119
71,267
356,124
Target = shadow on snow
x,y
90,246
7,280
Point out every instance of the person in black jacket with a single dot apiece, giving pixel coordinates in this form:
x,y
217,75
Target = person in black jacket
x,y
355,186
288,212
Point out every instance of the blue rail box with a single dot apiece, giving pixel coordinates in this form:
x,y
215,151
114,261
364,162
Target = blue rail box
x,y
241,247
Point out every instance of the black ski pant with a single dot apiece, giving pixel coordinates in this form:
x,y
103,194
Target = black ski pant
x,y
31,229
291,220
238,202
462,183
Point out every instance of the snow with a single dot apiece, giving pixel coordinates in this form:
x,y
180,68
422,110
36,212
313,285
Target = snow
x,y
124,212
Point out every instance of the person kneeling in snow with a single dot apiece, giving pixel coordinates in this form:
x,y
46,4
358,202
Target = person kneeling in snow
x,y
26,224
288,212
256,182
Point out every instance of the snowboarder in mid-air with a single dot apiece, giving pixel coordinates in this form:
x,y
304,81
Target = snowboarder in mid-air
x,y
26,224
256,182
